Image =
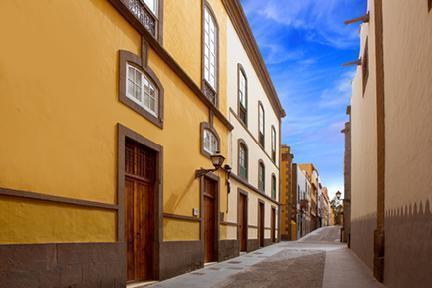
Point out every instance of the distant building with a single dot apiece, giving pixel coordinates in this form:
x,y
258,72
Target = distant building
x,y
312,172
288,194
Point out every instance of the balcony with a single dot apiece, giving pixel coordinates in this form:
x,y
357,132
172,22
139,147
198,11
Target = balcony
x,y
142,14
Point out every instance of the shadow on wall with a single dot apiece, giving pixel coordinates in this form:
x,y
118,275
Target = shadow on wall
x,y
408,246
362,237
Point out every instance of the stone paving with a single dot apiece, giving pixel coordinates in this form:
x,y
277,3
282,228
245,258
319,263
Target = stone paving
x,y
317,260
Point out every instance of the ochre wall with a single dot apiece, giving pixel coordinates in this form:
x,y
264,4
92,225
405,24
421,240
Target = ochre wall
x,y
26,221
60,108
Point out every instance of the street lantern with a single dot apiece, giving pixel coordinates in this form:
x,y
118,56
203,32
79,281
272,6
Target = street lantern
x,y
217,161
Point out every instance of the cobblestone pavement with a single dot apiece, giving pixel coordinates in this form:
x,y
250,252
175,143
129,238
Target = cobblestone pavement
x,y
317,260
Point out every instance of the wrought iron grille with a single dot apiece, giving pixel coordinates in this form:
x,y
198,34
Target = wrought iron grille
x,y
138,9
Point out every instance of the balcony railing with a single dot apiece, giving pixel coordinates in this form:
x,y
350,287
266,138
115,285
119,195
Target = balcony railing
x,y
144,16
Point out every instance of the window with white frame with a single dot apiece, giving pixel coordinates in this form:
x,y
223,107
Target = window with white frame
x,y
141,90
210,48
152,5
211,143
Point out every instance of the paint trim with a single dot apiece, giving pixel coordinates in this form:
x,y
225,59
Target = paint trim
x,y
56,199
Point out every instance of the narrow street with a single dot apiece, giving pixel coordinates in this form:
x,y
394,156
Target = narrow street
x,y
317,260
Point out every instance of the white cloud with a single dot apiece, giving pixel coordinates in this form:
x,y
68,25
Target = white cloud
x,y
321,20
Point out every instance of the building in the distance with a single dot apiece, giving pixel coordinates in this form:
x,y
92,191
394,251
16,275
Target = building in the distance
x,y
311,172
288,176
304,189
325,207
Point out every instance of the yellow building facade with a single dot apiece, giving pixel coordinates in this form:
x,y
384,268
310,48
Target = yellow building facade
x,y
109,109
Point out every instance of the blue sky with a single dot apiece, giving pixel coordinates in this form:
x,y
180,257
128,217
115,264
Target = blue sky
x,y
304,43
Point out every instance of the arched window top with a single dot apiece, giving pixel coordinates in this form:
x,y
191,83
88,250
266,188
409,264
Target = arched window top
x,y
210,141
274,143
140,89
210,54
261,124
242,94
243,159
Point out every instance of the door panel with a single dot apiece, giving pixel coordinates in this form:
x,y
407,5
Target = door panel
x,y
139,195
242,223
261,224
209,220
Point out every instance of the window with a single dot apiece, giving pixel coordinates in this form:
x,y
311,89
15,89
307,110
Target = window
x,y
273,138
152,5
243,160
210,144
274,189
261,176
365,66
141,90
261,124
242,95
209,139
210,60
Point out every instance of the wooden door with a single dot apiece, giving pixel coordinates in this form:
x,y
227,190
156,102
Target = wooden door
x,y
209,220
261,224
139,195
242,222
273,225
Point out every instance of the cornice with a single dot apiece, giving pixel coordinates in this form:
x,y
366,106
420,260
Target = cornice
x,y
241,25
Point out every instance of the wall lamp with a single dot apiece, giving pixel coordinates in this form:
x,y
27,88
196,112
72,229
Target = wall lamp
x,y
217,161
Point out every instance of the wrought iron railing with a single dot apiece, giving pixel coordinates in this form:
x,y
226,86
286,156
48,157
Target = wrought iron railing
x,y
141,13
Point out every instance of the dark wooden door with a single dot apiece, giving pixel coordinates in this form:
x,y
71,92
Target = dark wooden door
x,y
242,222
261,223
139,195
273,224
209,220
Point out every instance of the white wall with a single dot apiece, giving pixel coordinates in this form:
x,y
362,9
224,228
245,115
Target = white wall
x,y
237,54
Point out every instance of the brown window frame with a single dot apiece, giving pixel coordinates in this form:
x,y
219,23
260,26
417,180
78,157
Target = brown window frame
x,y
273,143
127,57
242,112
147,16
207,126
206,88
365,66
261,164
241,143
261,137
